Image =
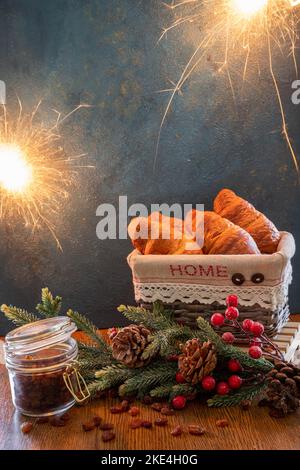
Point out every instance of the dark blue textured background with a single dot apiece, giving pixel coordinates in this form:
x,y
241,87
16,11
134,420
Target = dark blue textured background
x,y
104,52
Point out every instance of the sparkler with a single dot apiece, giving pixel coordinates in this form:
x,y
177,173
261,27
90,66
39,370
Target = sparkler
x,y
248,8
35,171
239,29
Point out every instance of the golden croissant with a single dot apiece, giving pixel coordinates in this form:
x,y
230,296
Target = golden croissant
x,y
222,237
227,204
159,235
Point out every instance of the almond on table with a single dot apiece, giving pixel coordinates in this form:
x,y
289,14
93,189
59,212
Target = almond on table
x,y
135,423
222,423
134,411
196,430
177,431
26,427
167,411
157,406
88,426
108,436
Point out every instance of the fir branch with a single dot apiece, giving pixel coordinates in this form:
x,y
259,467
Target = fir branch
x,y
152,349
162,391
157,319
227,351
233,352
94,387
112,376
147,378
87,349
235,398
91,358
88,375
166,342
18,316
170,390
182,389
159,309
206,332
50,306
172,337
84,324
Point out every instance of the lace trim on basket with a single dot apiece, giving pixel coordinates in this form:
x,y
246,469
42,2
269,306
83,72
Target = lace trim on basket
x,y
270,297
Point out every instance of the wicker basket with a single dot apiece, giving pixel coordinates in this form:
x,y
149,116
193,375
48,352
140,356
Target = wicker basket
x,y
194,285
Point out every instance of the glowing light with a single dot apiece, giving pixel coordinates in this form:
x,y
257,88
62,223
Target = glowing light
x,y
36,173
15,172
249,7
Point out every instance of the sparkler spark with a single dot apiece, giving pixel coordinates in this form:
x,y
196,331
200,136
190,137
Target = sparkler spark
x,y
249,7
240,31
35,171
15,173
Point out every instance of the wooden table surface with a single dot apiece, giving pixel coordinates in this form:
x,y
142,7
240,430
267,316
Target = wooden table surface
x,y
253,429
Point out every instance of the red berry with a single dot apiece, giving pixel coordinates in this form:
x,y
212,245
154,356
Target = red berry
x,y
173,358
256,342
234,365
112,332
232,313
232,301
179,402
179,378
223,388
235,382
208,383
257,328
247,324
228,337
217,319
255,352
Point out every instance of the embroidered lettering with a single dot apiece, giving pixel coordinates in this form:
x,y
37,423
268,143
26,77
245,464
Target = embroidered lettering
x,y
222,271
190,270
209,271
176,269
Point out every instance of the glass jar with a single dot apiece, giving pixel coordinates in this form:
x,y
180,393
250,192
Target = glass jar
x,y
37,355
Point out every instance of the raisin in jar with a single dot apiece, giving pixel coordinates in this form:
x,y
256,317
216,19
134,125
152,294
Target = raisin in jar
x,y
37,356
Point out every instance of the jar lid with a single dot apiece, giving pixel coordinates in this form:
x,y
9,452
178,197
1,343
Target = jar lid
x,y
39,334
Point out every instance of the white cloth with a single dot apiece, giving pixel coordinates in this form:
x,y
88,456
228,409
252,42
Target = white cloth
x,y
208,278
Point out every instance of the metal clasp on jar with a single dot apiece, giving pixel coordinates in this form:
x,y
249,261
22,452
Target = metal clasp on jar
x,y
75,383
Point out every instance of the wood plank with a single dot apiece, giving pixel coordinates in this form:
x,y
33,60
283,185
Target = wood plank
x,y
294,324
269,434
253,429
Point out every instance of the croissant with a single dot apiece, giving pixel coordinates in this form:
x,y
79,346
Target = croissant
x,y
158,235
222,237
242,213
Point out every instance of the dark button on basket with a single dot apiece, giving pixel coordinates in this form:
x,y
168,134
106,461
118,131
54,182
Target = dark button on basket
x,y
238,279
258,278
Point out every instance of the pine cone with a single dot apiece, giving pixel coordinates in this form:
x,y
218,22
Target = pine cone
x,y
197,360
283,393
129,344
